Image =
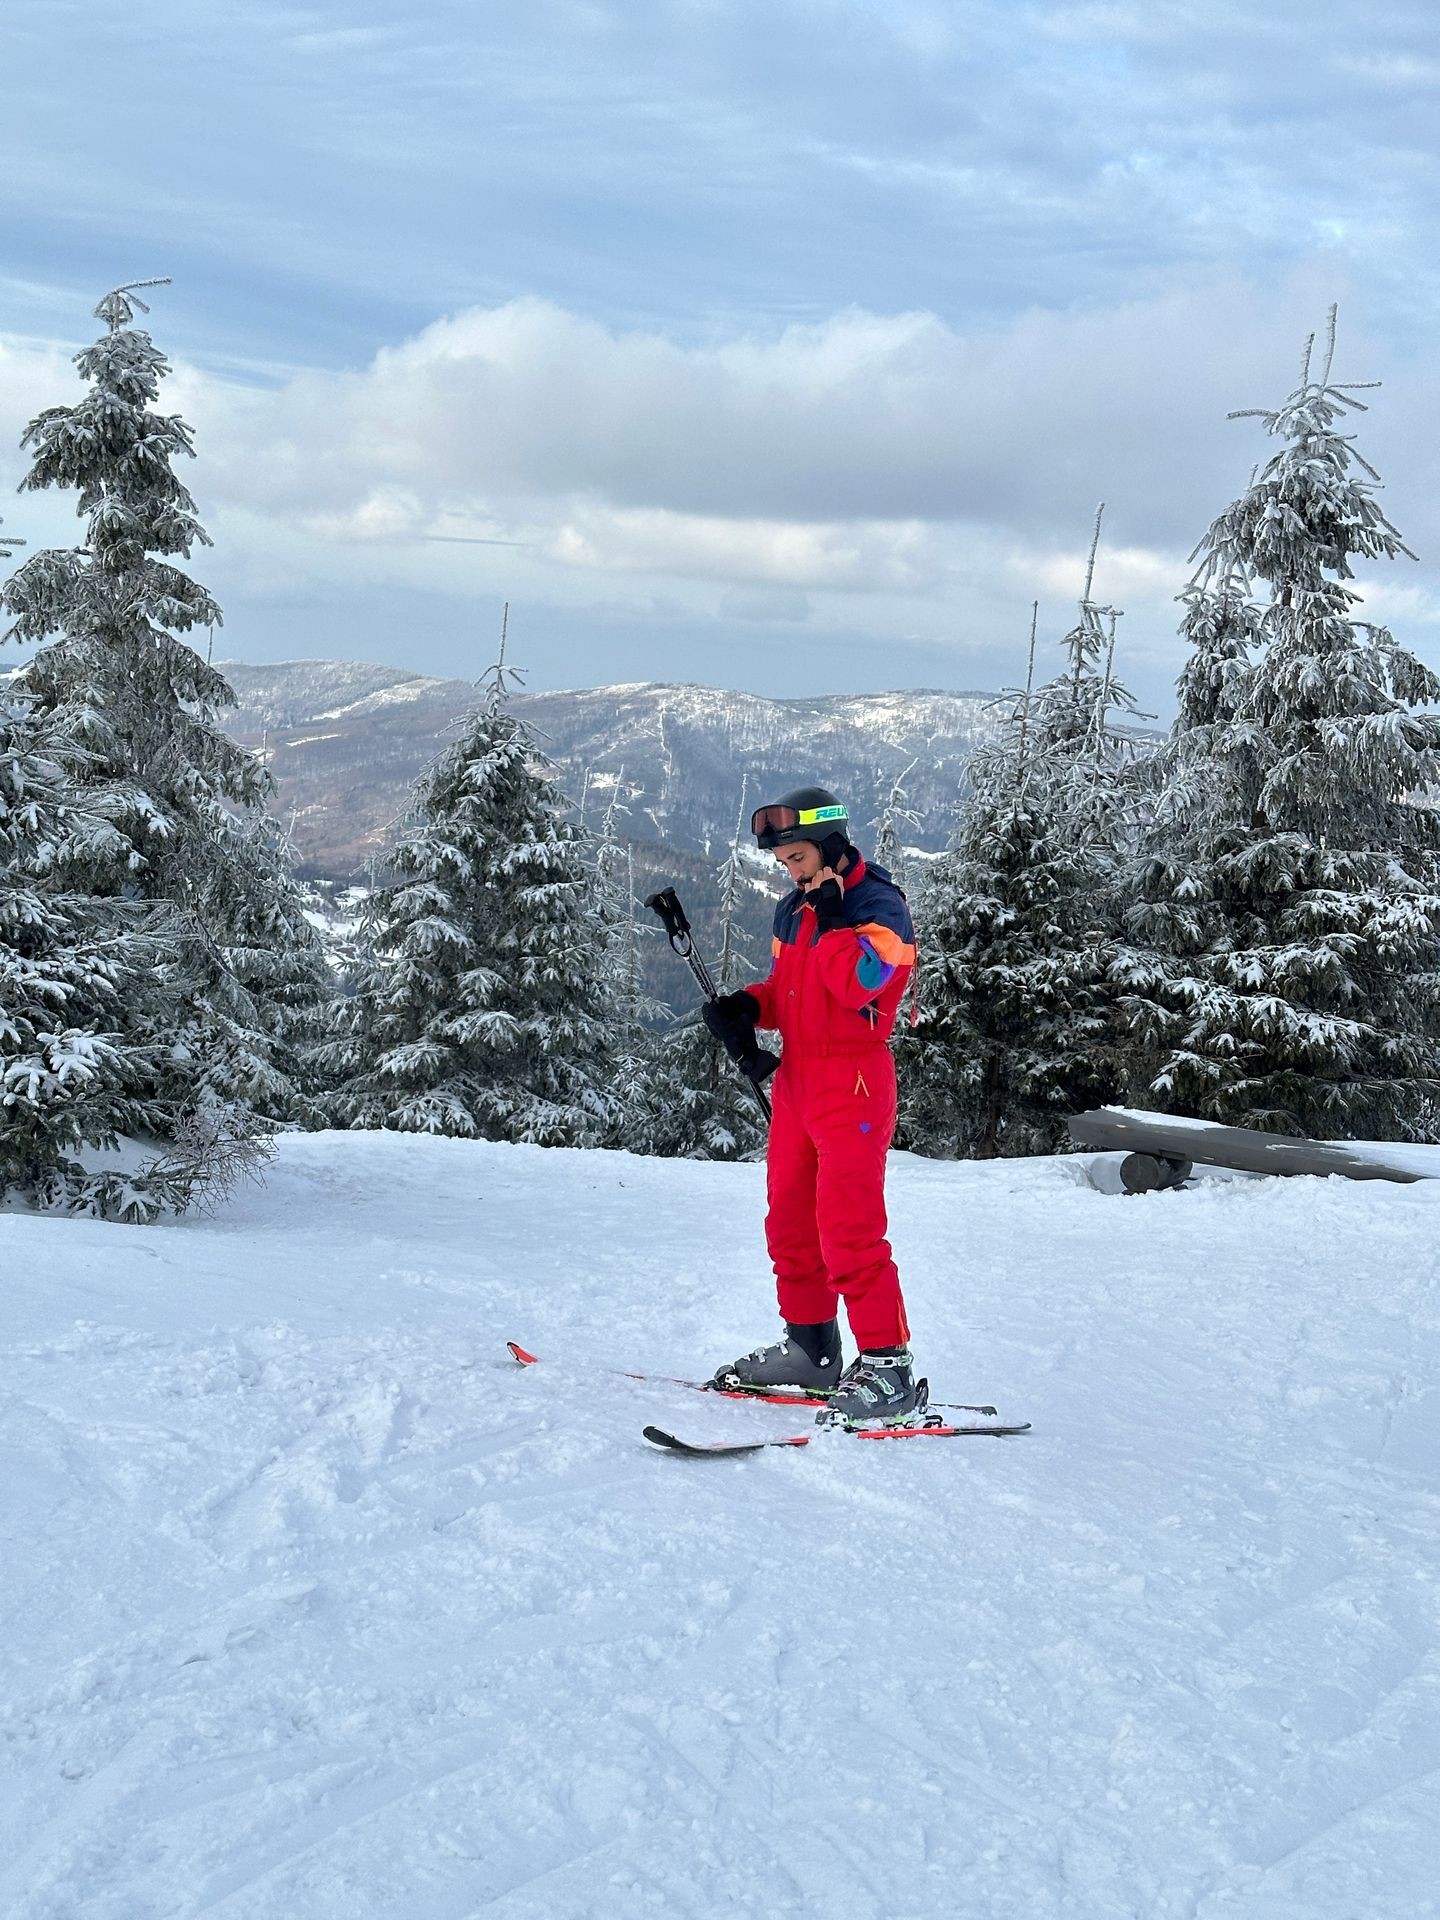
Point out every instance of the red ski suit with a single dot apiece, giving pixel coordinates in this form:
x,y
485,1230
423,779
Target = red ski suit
x,y
833,998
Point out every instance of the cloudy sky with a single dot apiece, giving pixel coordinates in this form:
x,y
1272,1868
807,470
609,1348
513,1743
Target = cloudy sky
x,y
783,344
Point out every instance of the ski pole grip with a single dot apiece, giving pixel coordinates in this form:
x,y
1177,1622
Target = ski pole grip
x,y
666,903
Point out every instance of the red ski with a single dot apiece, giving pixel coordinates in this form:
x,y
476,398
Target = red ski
x,y
781,1397
720,1449
773,1396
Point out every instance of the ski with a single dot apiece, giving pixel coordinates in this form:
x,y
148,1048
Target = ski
x,y
722,1449
780,1397
775,1397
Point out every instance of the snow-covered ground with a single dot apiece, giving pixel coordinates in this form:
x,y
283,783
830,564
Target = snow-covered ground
x,y
316,1606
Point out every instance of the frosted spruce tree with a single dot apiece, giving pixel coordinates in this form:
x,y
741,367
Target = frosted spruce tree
x,y
277,960
894,817
1076,732
1016,1024
348,1041
67,964
485,1011
698,1107
620,980
1290,880
115,672
70,966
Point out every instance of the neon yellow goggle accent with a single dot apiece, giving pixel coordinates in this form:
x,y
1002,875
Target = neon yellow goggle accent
x,y
812,816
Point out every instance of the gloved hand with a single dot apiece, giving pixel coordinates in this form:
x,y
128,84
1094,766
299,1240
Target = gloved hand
x,y
828,900
732,1018
758,1064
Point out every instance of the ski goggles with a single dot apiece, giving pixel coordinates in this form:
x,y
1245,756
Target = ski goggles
x,y
786,819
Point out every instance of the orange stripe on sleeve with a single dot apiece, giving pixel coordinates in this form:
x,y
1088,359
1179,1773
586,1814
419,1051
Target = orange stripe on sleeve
x,y
894,951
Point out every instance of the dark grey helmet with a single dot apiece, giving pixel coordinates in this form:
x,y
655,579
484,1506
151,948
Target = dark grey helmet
x,y
807,813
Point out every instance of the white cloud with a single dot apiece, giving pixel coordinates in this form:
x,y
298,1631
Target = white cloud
x,y
33,374
1398,604
506,415
854,556
1123,575
385,513
880,473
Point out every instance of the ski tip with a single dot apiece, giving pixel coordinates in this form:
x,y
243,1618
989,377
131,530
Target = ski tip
x,y
672,1443
519,1353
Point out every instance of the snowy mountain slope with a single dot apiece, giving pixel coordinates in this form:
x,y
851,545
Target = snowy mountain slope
x,y
346,740
316,1606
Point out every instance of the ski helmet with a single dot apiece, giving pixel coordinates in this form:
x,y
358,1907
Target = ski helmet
x,y
808,813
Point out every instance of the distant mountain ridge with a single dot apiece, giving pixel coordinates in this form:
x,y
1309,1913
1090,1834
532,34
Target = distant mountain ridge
x,y
346,741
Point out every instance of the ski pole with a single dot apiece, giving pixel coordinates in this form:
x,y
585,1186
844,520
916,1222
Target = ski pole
x,y
756,1064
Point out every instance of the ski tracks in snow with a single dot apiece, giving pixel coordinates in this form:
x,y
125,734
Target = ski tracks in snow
x,y
327,1610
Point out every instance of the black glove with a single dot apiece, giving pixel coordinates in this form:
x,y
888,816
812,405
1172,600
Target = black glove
x,y
732,1018
828,900
758,1064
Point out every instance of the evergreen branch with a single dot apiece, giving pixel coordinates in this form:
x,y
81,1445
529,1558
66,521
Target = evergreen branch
x,y
117,308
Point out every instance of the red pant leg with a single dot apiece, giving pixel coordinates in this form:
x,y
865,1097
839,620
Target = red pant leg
x,y
849,1112
801,1282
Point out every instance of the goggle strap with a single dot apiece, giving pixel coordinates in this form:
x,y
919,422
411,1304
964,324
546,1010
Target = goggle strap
x,y
777,819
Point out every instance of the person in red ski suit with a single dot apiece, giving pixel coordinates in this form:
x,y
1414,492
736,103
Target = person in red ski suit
x,y
843,950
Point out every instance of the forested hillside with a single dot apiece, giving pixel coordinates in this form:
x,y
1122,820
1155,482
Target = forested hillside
x,y
345,740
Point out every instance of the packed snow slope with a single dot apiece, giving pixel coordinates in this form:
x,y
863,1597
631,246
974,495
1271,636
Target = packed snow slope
x,y
316,1607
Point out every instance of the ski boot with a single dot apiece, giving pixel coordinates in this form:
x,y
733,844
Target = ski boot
x,y
878,1388
806,1360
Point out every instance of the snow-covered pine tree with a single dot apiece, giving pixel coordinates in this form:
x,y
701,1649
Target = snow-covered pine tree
x,y
69,967
1016,921
641,1069
1200,775
1291,884
1075,727
733,965
619,919
488,1010
348,1043
117,676
276,956
895,816
698,1106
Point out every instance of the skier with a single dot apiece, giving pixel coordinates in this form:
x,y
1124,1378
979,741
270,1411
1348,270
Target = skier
x,y
843,949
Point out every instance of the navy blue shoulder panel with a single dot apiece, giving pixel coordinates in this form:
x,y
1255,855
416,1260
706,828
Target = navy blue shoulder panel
x,y
878,899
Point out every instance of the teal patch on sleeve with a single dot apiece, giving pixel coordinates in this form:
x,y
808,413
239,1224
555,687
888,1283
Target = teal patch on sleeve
x,y
870,970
